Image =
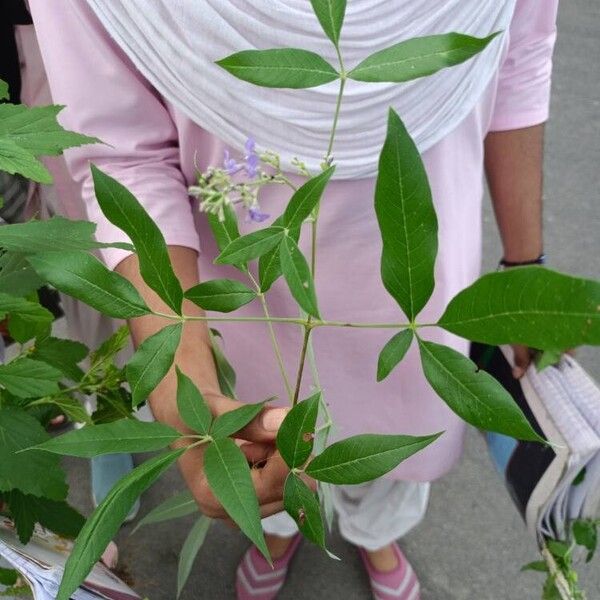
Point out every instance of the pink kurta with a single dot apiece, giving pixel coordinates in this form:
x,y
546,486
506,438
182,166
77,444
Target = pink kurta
x,y
152,148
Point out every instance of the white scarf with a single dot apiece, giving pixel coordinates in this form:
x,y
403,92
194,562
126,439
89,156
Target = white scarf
x,y
174,44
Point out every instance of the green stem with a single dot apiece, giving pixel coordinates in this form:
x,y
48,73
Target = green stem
x,y
305,341
276,349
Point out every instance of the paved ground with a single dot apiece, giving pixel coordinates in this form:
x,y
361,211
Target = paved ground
x,y
472,543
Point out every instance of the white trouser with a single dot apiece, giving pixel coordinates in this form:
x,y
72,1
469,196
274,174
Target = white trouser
x,y
371,515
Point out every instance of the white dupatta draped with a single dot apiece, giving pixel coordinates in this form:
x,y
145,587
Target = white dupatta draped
x,y
174,44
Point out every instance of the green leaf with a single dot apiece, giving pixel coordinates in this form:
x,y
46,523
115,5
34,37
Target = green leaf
x,y
179,505
112,405
224,231
557,548
84,277
51,235
365,457
228,475
8,577
189,551
191,405
26,319
27,510
533,306
110,347
231,422
269,264
122,209
298,276
27,378
14,159
152,361
547,358
17,275
305,199
407,220
393,352
538,565
65,355
105,521
419,57
302,504
36,129
3,96
68,405
222,295
580,477
295,437
225,372
586,535
280,68
39,475
473,394
251,246
331,16
126,435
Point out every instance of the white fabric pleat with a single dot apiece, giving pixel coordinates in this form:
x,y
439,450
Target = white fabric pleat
x,y
175,43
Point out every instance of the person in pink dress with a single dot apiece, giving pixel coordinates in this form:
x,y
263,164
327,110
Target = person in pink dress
x,y
163,119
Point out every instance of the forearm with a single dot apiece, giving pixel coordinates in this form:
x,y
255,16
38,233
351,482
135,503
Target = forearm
x,y
513,164
194,356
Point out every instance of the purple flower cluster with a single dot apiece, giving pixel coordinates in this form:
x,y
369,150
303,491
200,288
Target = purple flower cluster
x,y
251,161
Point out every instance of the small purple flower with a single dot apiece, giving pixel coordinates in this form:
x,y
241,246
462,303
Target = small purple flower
x,y
250,146
252,164
256,215
230,165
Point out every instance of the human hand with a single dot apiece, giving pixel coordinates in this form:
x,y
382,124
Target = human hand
x,y
257,442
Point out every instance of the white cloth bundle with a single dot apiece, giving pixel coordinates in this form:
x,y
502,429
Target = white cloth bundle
x,y
174,44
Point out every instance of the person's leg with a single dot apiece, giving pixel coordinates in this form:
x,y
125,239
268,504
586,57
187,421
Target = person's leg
x,y
373,516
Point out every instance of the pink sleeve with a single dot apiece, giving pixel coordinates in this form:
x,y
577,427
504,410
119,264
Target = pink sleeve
x,y
523,95
106,97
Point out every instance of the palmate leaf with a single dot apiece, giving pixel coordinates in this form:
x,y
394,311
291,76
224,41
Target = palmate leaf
x,y
26,133
533,306
226,230
27,510
280,68
298,276
105,521
49,235
362,458
295,437
473,394
331,16
27,378
152,361
189,550
179,505
126,435
84,277
407,220
39,475
191,405
122,209
222,295
418,57
302,504
68,405
228,475
393,352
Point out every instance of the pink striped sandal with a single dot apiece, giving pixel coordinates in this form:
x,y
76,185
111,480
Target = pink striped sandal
x,y
257,580
399,584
